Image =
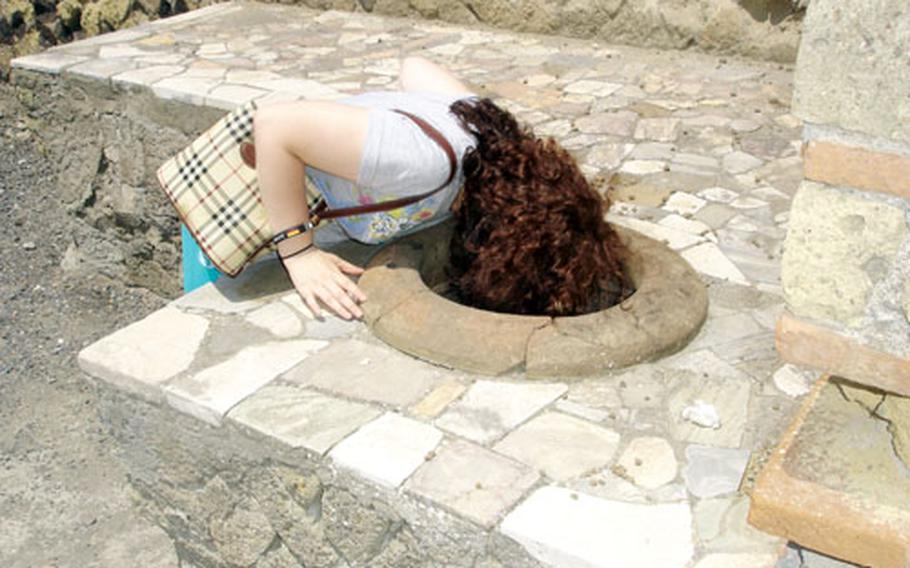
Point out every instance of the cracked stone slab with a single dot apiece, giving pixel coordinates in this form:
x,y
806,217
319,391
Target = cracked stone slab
x,y
141,357
211,393
301,418
472,481
711,472
364,371
490,409
729,397
835,483
561,446
568,529
387,450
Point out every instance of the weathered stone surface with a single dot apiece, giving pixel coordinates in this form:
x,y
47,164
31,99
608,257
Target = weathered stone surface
x,y
834,237
438,399
659,129
684,203
472,481
896,410
278,319
648,462
710,472
490,409
388,449
835,483
674,238
869,94
365,371
857,167
669,297
432,327
804,343
730,397
212,392
641,192
792,380
563,528
243,535
301,418
734,560
561,446
708,259
906,302
722,526
142,356
740,162
615,123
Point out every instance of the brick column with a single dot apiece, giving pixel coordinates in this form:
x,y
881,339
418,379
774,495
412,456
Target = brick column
x,y
846,266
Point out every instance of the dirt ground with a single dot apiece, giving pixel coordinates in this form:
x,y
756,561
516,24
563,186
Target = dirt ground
x,y
64,499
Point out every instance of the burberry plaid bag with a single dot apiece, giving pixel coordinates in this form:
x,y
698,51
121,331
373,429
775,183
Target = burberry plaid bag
x,y
216,193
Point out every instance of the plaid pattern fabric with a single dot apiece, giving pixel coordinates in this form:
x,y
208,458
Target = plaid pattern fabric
x,y
217,195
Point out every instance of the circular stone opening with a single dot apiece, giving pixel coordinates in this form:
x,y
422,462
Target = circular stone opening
x,y
446,288
668,307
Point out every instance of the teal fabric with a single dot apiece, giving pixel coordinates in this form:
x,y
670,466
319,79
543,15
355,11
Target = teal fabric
x,y
197,268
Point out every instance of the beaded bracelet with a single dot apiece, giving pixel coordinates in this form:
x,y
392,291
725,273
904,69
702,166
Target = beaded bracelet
x,y
293,232
295,253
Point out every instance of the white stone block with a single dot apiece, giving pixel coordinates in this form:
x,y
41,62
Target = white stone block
x,y
561,446
567,529
48,62
142,356
212,392
387,450
301,418
472,481
708,259
491,408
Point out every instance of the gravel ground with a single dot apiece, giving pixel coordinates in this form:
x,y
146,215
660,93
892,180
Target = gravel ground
x,y
64,499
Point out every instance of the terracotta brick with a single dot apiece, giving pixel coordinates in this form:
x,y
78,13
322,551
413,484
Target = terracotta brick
x,y
805,343
859,168
854,527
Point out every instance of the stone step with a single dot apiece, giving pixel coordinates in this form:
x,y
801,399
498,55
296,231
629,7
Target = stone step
x,y
261,436
840,479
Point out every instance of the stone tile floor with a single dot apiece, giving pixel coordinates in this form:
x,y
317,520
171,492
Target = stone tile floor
x,y
702,153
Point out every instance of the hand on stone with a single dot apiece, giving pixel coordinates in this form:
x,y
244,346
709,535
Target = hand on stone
x,y
320,276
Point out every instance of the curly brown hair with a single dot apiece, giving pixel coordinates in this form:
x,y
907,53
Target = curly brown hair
x,y
530,234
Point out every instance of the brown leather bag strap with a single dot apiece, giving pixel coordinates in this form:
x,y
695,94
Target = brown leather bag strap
x,y
321,211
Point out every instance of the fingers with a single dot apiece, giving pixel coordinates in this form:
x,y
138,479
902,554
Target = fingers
x,y
340,303
351,289
310,300
347,267
319,281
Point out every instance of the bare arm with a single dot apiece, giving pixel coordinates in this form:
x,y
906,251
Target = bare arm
x,y
326,135
420,74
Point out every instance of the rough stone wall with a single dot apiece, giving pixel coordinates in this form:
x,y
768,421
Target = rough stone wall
x,y
763,29
227,499
847,262
107,145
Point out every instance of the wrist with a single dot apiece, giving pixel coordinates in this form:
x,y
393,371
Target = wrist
x,y
291,244
299,252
